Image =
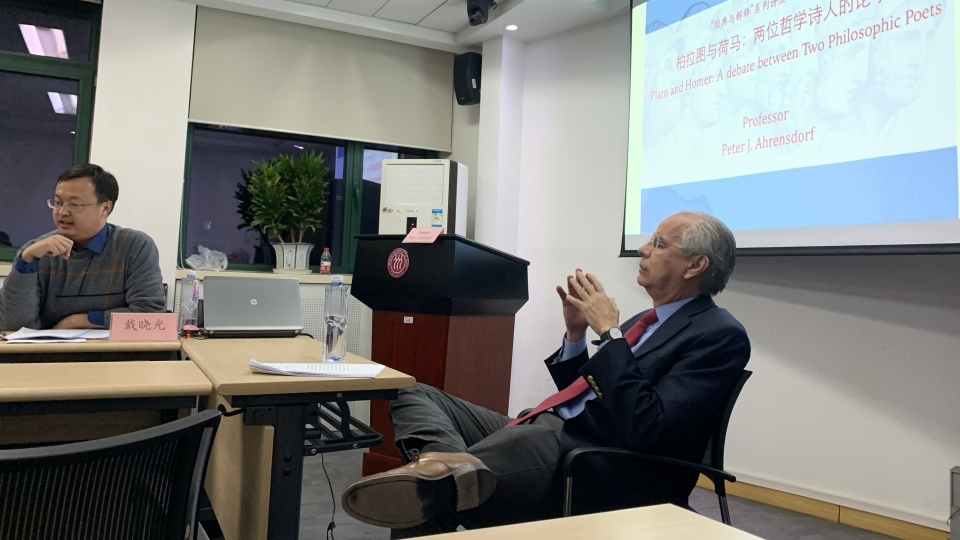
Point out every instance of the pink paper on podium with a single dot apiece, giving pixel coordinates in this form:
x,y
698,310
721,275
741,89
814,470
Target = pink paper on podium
x,y
423,235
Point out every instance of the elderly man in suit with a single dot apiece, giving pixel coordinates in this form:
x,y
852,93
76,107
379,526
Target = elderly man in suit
x,y
656,384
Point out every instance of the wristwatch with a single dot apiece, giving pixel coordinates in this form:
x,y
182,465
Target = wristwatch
x,y
613,333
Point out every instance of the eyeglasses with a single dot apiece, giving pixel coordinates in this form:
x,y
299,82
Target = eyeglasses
x,y
70,206
657,242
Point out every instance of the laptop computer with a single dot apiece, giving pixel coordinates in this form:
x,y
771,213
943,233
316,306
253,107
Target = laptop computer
x,y
250,307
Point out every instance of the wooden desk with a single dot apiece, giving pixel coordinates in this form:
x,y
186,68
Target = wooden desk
x,y
50,402
94,350
255,474
664,522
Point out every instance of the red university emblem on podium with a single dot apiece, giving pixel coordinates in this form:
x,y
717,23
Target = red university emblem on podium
x,y
398,262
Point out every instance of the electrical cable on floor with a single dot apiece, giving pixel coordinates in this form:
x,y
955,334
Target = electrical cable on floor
x,y
332,525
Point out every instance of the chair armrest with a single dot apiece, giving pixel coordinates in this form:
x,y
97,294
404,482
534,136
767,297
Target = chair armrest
x,y
572,457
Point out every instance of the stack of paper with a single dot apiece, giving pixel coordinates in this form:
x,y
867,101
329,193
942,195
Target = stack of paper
x,y
26,335
326,369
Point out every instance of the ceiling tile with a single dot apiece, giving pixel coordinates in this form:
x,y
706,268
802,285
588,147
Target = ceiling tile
x,y
321,3
451,16
362,7
408,11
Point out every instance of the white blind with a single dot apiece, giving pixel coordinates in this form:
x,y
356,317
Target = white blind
x,y
262,73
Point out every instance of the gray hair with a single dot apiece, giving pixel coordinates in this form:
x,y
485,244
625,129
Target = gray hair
x,y
710,237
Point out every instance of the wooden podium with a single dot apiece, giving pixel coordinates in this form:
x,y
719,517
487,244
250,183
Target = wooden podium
x,y
442,312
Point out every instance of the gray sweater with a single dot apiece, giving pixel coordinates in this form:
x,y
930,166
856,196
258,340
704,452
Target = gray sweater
x,y
123,277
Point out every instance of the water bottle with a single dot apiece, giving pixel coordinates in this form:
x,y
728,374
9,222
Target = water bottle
x,y
325,261
335,318
189,300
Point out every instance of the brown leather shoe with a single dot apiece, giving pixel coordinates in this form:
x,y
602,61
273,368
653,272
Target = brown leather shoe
x,y
410,495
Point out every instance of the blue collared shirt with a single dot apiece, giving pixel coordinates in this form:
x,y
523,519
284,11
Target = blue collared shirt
x,y
96,245
572,350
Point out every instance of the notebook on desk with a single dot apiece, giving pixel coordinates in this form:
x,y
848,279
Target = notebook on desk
x,y
251,307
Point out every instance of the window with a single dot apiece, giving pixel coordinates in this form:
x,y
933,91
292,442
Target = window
x,y
217,155
47,68
52,29
36,145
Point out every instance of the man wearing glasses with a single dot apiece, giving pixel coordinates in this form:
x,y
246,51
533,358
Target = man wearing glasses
x,y
76,276
657,384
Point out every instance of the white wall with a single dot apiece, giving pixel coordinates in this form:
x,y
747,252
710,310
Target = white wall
x,y
498,155
855,393
140,114
465,140
857,372
573,166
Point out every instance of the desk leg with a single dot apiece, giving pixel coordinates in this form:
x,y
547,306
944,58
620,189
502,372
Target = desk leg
x,y
286,474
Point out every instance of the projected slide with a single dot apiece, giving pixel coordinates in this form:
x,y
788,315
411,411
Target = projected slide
x,y
797,122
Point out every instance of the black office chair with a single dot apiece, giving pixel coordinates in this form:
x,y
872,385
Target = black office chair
x,y
711,467
139,486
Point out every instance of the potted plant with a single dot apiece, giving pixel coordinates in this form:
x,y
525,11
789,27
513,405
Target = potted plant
x,y
283,198
263,251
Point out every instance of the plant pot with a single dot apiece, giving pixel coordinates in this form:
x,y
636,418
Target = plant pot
x,y
293,257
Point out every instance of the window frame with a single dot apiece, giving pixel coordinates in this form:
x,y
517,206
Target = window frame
x,y
352,192
84,72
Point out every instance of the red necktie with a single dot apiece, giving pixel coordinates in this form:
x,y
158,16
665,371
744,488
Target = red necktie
x,y
636,331
580,385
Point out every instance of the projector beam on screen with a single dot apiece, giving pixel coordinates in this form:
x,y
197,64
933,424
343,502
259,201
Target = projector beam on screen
x,y
806,127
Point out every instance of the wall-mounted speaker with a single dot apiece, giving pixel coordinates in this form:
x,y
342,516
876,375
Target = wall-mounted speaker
x,y
466,77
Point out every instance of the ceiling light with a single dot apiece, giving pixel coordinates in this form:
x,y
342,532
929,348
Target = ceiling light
x,y
298,147
63,103
44,41
512,27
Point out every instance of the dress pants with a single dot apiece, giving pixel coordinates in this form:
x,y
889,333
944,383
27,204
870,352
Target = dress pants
x,y
524,458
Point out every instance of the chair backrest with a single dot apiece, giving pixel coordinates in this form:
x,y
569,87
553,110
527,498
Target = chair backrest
x,y
143,485
714,454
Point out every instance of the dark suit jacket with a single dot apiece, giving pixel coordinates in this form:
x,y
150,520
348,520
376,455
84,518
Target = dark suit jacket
x,y
665,400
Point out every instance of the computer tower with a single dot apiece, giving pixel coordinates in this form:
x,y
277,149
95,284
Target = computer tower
x,y
423,193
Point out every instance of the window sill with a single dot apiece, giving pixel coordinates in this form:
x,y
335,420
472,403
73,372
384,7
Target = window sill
x,y
311,279
181,273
